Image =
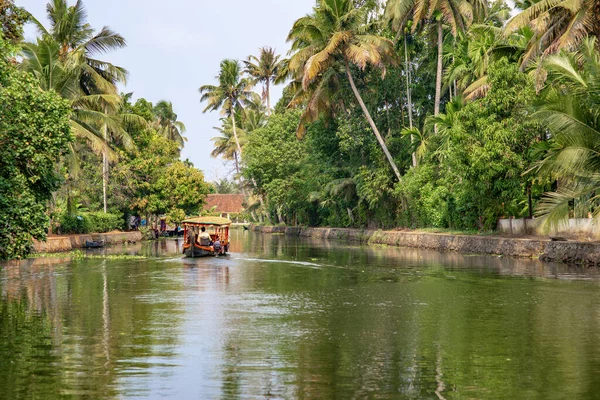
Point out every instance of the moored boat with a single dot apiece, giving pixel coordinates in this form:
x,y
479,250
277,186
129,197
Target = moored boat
x,y
218,230
94,244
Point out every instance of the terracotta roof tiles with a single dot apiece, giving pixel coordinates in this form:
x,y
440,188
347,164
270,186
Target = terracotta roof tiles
x,y
225,203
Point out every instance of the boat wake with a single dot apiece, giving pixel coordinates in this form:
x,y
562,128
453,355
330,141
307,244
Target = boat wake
x,y
308,264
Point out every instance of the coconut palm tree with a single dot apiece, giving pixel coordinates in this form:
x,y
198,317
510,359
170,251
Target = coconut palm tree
x,y
336,35
570,110
225,144
408,76
95,117
63,61
113,125
229,95
264,69
167,123
558,24
470,57
458,14
77,39
43,61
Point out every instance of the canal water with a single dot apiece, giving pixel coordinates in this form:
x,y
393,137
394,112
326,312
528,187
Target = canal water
x,y
297,318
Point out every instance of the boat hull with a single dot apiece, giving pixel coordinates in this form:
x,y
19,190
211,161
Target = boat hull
x,y
203,251
94,244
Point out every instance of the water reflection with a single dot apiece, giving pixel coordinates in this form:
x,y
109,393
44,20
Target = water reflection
x,y
295,318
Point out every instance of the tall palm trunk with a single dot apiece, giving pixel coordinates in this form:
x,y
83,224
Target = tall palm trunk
x,y
236,162
409,99
372,123
104,166
268,91
237,141
239,152
438,78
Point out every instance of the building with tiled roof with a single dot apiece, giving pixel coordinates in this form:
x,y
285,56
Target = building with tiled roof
x,y
224,204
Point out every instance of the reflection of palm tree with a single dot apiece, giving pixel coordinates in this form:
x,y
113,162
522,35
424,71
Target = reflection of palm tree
x,y
168,125
105,314
335,35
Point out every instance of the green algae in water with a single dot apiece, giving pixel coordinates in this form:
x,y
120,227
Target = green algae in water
x,y
80,255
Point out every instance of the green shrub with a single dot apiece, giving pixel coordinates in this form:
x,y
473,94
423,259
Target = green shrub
x,y
90,222
34,133
73,224
100,222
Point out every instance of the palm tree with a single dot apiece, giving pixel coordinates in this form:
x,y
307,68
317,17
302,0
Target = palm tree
x,y
167,123
570,109
253,117
337,192
62,61
336,34
229,95
225,144
458,14
42,60
77,39
407,74
558,24
264,69
477,49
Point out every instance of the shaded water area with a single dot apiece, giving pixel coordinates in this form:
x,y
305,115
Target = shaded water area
x,y
296,318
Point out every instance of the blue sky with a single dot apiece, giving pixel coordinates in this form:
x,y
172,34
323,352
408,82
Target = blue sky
x,y
176,46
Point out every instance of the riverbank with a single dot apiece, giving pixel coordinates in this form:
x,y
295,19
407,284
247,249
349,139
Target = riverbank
x,y
570,252
55,244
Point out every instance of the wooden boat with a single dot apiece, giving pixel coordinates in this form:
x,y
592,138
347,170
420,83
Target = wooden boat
x,y
94,244
217,228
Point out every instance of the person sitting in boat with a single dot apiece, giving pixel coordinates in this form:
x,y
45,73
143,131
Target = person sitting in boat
x,y
204,237
217,244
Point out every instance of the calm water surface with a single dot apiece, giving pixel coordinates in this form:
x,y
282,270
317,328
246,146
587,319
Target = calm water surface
x,y
289,318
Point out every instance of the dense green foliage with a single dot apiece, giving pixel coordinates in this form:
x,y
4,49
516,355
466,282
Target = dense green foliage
x,y
148,180
473,174
403,113
478,127
90,222
34,133
72,145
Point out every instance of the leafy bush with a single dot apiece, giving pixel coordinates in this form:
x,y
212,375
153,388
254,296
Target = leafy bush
x,y
34,132
90,222
104,222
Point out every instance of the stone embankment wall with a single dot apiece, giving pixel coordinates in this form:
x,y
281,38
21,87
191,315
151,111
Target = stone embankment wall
x,y
66,243
543,249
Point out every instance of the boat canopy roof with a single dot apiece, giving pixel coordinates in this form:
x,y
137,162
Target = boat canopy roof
x,y
217,221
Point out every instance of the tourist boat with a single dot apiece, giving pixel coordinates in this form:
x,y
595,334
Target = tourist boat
x,y
217,228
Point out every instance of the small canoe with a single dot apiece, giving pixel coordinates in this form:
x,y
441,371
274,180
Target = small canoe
x,y
94,244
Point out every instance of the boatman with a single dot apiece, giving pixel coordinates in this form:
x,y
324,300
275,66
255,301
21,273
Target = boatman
x,y
204,237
